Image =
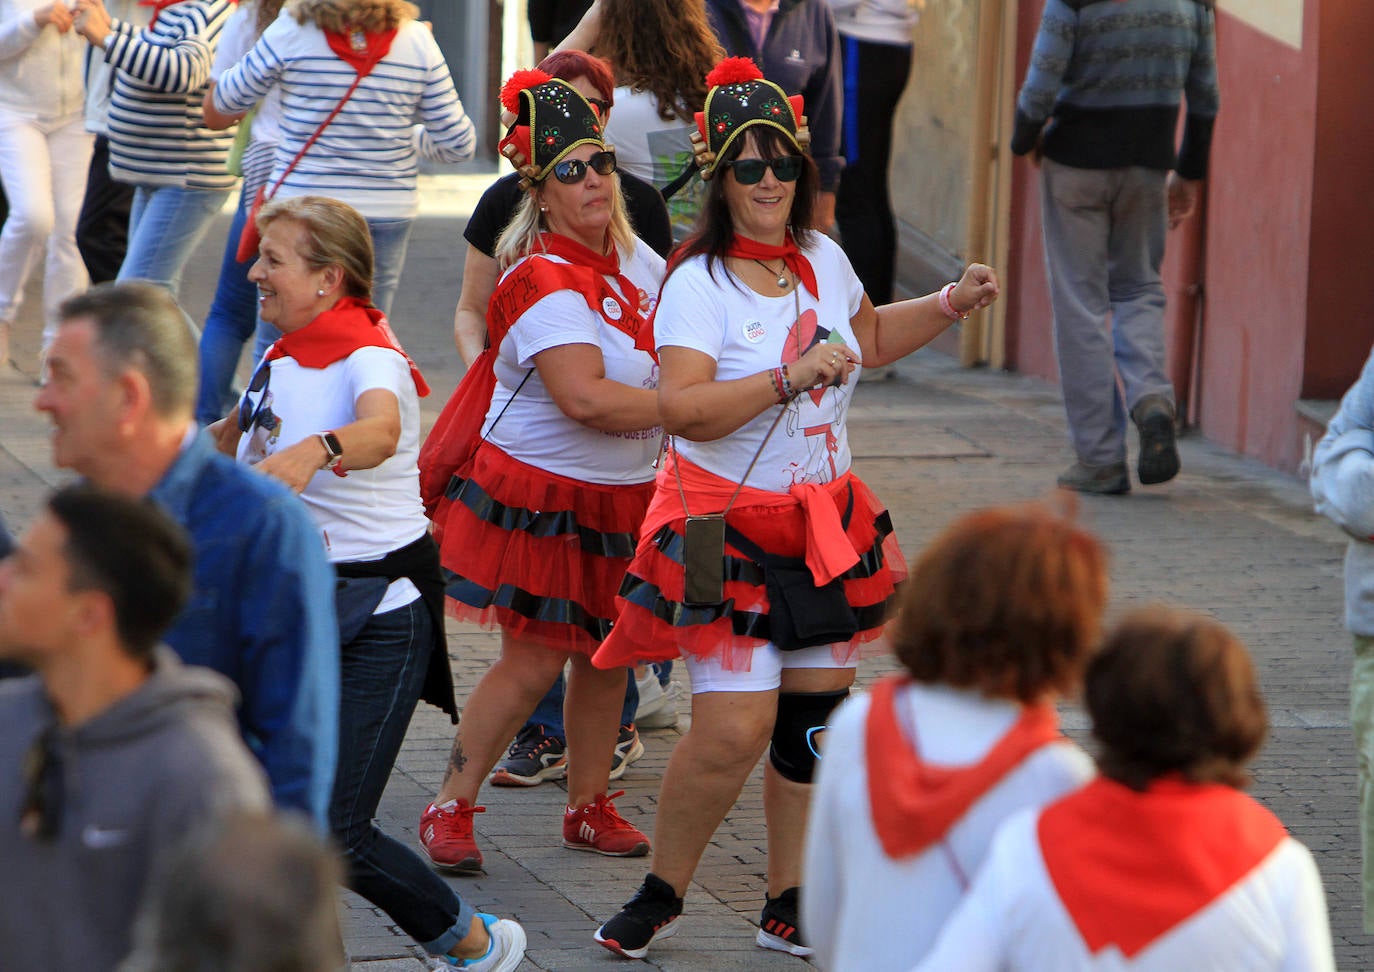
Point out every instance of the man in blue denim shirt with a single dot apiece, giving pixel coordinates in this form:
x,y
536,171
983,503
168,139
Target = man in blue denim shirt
x,y
120,392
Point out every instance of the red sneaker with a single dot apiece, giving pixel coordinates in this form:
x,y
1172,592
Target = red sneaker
x,y
597,827
446,834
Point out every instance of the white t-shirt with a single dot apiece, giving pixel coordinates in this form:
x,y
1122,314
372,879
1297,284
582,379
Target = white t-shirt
x,y
533,428
656,151
370,512
854,893
746,333
1272,919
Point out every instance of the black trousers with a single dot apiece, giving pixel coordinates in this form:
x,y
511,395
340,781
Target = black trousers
x,y
102,230
874,77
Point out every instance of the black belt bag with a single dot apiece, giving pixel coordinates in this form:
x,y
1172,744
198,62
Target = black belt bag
x,y
800,614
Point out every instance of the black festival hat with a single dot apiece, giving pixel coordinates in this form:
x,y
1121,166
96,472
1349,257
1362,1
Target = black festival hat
x,y
551,119
738,98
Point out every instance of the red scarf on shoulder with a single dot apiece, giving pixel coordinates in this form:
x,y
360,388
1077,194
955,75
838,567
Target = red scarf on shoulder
x,y
1131,866
585,273
915,803
791,255
352,323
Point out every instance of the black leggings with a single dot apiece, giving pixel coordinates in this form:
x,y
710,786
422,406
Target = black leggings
x,y
874,76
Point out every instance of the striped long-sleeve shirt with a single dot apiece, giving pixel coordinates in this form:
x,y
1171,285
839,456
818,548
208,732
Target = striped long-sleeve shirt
x,y
368,155
1109,76
156,123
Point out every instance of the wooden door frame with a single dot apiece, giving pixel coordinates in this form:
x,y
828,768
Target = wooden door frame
x,y
982,338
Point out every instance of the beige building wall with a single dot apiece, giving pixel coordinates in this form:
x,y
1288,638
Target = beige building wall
x,y
931,164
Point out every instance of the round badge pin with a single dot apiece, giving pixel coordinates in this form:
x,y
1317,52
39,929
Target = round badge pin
x,y
754,331
611,308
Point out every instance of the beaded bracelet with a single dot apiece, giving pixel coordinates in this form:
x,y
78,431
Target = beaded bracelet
x,y
775,377
788,391
947,305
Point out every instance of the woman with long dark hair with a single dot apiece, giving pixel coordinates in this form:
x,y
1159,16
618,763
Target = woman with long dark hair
x,y
763,559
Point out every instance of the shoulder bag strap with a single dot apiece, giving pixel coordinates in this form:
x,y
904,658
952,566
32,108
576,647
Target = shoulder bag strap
x,y
684,177
311,140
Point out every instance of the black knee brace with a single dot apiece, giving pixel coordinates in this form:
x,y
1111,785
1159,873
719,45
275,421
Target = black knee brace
x,y
801,718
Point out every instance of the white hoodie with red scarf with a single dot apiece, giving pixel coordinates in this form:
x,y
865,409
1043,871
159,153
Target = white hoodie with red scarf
x,y
914,782
1181,876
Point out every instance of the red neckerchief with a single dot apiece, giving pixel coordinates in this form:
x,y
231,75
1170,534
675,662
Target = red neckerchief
x,y
914,803
350,324
360,49
746,249
585,273
1131,866
159,6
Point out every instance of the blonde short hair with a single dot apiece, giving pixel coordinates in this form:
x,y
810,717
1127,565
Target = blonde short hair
x,y
336,234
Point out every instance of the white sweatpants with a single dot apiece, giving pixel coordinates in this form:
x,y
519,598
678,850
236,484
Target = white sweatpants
x,y
43,166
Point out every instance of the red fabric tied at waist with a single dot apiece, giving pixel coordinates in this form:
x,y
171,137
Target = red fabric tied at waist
x,y
829,552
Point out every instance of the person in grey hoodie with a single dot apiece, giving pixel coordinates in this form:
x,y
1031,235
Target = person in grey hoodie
x,y
113,752
1343,487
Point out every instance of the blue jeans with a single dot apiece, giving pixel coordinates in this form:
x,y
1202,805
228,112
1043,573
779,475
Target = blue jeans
x,y
166,224
390,239
548,714
383,671
233,316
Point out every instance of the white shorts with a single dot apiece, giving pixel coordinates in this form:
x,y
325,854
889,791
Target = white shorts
x,y
765,669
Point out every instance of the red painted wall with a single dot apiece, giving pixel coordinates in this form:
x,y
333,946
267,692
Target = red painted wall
x,y
1340,296
1258,227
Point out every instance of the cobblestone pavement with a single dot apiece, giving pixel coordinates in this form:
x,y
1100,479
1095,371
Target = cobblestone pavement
x,y
1228,537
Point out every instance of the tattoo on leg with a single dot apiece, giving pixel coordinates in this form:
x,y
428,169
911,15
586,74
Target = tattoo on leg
x,y
457,760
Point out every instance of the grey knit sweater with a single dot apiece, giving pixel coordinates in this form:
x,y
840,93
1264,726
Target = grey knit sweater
x,y
1106,80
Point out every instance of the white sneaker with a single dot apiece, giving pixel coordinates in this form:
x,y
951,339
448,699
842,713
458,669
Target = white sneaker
x,y
657,705
504,954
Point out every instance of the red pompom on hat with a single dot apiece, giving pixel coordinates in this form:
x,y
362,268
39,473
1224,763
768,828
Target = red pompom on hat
x,y
518,82
733,70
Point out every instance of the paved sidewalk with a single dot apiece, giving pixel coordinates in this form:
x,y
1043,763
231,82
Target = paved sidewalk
x,y
1228,537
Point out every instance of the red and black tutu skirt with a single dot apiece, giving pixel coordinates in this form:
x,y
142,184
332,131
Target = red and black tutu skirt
x,y
654,623
537,554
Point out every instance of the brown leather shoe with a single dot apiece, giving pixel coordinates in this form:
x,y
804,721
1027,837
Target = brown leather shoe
x,y
1158,462
1111,480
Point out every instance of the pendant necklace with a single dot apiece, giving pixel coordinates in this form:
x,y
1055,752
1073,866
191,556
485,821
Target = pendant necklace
x,y
782,281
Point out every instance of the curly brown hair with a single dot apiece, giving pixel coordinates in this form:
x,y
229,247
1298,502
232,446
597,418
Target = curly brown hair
x,y
1007,601
1174,692
665,47
342,15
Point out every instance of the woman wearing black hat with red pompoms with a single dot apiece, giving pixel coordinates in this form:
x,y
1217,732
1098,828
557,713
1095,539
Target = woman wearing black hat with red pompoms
x,y
763,559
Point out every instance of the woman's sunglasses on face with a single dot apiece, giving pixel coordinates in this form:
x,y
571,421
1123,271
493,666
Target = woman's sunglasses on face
x,y
749,172
572,171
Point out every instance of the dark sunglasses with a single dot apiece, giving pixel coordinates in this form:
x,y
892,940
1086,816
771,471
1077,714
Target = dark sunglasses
x,y
749,172
248,411
572,171
40,816
600,105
